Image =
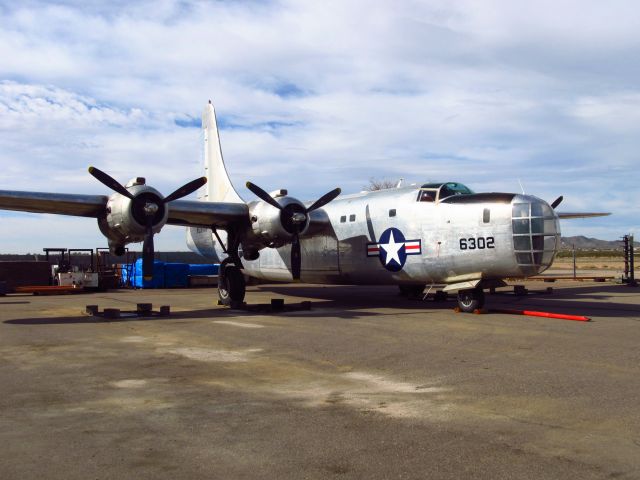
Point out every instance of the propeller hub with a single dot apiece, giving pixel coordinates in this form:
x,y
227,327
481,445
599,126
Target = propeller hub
x,y
150,208
298,218
147,204
293,217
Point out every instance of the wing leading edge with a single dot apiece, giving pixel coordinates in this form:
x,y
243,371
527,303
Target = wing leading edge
x,y
58,203
181,212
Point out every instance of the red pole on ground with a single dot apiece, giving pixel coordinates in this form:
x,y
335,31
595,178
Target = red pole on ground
x,y
530,313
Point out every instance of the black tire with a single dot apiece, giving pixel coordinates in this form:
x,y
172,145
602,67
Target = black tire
x,y
411,290
231,285
470,300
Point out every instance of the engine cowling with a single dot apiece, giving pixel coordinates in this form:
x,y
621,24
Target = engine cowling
x,y
125,220
274,228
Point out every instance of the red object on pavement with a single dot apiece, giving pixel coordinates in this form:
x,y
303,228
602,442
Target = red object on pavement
x,y
531,313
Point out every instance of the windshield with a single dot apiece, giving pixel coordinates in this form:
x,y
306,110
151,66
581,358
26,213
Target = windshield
x,y
451,188
431,192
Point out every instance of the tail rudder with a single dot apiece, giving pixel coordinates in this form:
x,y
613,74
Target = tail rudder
x,y
219,187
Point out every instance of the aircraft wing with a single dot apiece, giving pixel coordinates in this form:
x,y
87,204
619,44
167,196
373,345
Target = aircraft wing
x,y
60,203
181,212
207,214
566,215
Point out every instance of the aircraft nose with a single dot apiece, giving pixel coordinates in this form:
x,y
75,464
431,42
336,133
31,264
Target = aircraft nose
x,y
536,234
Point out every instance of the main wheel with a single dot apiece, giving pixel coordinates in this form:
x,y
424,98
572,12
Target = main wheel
x,y
231,285
470,300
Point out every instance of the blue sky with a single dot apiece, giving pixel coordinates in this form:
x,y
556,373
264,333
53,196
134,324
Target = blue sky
x,y
313,95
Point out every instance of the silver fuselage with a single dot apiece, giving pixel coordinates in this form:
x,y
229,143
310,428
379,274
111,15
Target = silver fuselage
x,y
469,237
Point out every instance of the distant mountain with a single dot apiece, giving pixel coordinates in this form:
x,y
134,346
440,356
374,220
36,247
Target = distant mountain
x,y
585,243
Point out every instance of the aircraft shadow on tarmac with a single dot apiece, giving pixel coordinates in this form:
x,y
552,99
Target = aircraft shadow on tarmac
x,y
356,302
347,302
589,300
319,309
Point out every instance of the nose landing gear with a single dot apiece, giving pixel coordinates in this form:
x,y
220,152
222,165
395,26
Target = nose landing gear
x,y
470,300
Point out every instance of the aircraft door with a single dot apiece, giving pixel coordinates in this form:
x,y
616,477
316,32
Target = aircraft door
x,y
434,242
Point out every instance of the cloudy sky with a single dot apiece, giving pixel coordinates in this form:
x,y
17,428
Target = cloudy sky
x,y
312,95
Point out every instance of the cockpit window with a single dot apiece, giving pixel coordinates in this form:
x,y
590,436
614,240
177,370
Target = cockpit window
x,y
431,192
427,195
449,189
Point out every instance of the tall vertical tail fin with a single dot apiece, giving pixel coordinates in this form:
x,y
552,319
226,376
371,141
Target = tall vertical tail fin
x,y
219,187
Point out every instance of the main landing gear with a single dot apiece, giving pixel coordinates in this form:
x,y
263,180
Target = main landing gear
x,y
231,284
470,300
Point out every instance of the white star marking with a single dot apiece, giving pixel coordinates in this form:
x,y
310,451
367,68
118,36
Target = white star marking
x,y
392,248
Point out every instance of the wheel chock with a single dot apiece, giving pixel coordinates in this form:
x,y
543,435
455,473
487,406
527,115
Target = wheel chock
x,y
144,308
277,304
520,290
111,313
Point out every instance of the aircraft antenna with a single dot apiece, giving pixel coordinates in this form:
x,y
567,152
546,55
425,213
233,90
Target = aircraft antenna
x,y
521,187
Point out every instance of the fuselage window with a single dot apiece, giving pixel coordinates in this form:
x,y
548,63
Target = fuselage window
x,y
486,215
352,218
392,212
343,218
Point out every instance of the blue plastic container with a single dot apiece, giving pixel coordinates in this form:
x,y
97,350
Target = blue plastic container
x,y
176,275
158,275
127,274
204,269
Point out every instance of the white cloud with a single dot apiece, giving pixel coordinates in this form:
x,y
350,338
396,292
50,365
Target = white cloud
x,y
333,92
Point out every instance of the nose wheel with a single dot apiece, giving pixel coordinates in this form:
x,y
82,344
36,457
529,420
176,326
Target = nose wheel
x,y
470,300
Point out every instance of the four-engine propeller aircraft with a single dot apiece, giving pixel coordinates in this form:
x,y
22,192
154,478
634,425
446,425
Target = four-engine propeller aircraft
x,y
437,233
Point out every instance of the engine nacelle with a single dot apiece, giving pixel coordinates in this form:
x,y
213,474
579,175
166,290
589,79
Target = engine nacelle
x,y
125,220
274,228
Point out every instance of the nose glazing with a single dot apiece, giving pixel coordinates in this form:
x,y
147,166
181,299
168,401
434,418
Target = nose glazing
x,y
536,234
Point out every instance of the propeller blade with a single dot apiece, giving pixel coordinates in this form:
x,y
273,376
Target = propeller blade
x,y
109,181
557,202
147,251
296,258
323,200
186,189
260,193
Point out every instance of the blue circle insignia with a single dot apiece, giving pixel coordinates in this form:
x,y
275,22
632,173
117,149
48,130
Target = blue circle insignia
x,y
393,254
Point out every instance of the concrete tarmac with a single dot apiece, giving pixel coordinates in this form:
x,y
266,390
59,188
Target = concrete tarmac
x,y
366,384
